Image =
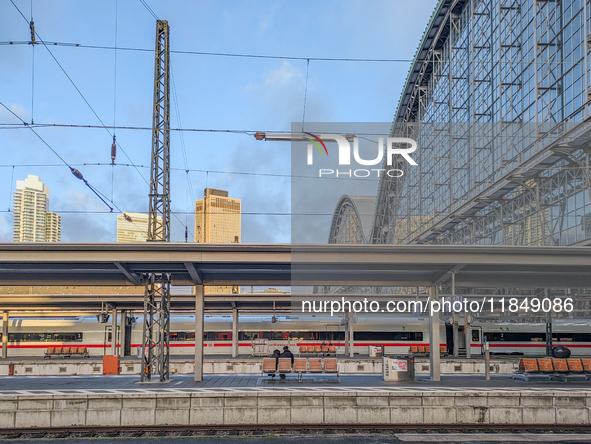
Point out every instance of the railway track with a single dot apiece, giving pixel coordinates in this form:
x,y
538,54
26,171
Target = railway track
x,y
273,430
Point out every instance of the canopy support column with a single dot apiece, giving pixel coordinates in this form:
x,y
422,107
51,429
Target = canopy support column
x,y
114,331
4,335
434,355
198,333
351,334
235,333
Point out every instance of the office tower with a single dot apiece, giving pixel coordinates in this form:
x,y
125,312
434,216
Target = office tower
x,y
132,227
218,220
32,222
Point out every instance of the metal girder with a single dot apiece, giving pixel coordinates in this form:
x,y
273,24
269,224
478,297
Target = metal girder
x,y
194,273
133,277
159,214
156,329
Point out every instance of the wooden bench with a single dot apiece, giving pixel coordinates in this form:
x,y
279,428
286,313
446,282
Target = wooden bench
x,y
300,366
316,350
554,368
67,352
425,350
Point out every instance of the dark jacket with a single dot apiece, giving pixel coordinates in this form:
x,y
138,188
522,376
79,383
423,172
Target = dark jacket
x,y
287,354
276,355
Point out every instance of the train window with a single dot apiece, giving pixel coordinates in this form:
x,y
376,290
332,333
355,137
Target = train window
x,y
418,335
45,337
248,335
515,337
386,336
225,336
475,335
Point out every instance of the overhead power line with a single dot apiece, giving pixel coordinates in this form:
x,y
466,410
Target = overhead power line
x,y
77,89
222,54
73,170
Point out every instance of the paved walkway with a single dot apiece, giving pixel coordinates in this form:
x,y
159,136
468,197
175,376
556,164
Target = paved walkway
x,y
37,385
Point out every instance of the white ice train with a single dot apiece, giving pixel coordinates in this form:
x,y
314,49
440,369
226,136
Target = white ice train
x,y
32,336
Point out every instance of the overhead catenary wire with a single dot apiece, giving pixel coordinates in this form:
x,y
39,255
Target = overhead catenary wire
x,y
149,9
301,58
252,132
305,94
114,145
77,89
73,170
91,108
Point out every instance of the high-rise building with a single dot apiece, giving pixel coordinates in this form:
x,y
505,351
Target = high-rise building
x,y
32,222
218,220
132,227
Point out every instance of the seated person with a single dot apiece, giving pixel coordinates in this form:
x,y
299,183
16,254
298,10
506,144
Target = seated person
x,y
286,354
276,354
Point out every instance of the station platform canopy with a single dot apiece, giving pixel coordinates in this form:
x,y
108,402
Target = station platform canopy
x,y
111,264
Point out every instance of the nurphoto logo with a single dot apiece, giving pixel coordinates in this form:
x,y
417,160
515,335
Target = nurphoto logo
x,y
393,149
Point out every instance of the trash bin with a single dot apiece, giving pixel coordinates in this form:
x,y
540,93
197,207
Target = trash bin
x,y
376,351
561,351
397,368
111,365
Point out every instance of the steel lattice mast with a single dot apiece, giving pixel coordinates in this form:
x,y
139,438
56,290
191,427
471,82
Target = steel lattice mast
x,y
156,329
159,216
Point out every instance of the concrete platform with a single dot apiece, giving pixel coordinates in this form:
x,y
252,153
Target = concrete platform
x,y
38,366
28,402
129,384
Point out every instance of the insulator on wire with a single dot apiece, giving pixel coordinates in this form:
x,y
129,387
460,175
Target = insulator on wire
x,y
186,234
113,151
127,218
32,27
77,173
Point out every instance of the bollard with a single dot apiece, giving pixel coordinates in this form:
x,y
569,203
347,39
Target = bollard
x,y
10,369
487,360
411,367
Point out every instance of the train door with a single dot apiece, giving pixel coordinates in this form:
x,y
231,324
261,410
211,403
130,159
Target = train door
x,y
107,338
333,335
449,336
476,340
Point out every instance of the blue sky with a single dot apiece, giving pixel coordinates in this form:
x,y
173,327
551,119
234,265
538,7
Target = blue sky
x,y
213,93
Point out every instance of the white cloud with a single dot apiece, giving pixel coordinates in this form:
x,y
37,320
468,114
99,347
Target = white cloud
x,y
282,75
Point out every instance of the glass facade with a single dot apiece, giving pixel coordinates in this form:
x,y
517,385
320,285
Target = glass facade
x,y
497,99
